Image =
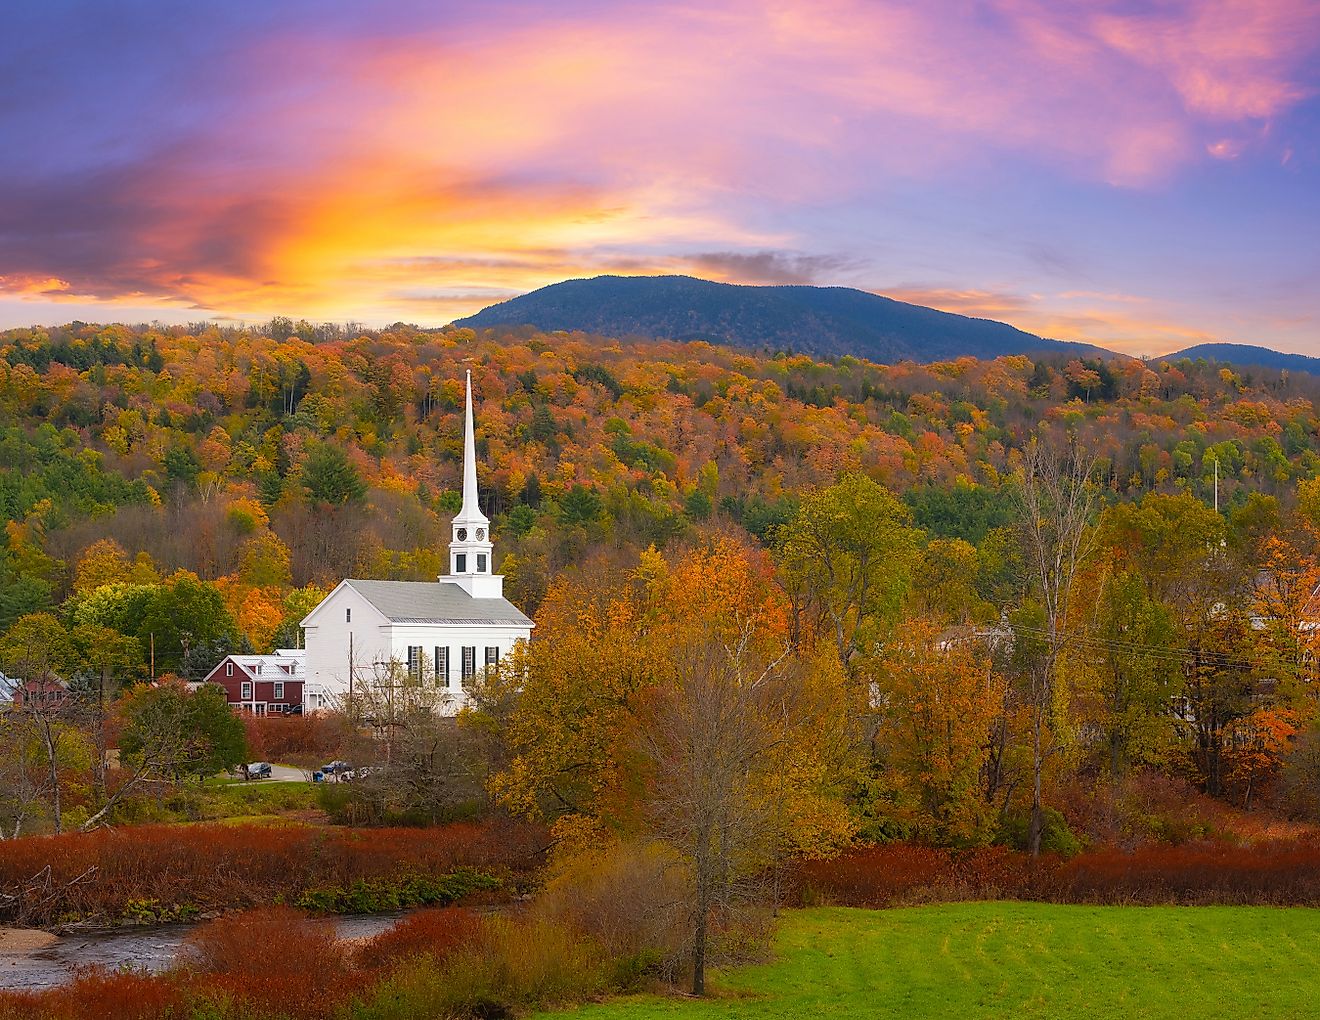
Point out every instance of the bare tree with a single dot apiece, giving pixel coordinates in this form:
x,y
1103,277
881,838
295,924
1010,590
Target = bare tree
x,y
1055,503
708,734
24,777
422,762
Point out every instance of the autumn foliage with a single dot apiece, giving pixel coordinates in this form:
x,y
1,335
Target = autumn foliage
x,y
1279,873
106,873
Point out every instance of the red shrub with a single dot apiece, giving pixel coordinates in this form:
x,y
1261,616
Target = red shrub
x,y
433,932
1285,872
221,867
307,741
272,961
103,994
267,940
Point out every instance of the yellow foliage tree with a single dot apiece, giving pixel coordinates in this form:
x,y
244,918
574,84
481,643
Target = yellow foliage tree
x,y
102,562
940,699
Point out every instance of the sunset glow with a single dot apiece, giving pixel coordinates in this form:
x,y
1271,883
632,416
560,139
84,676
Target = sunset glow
x,y
1142,175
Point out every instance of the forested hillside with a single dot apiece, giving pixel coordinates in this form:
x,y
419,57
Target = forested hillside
x,y
823,321
268,460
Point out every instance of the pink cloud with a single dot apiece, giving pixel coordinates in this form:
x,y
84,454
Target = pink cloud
x,y
439,165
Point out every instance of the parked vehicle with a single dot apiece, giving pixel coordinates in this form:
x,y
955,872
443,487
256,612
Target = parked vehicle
x,y
335,768
259,770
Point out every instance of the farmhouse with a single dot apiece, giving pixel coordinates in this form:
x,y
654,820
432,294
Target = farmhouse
x,y
441,632
262,684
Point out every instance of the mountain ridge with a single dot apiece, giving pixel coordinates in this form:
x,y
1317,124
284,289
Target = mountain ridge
x,y
823,321
1248,356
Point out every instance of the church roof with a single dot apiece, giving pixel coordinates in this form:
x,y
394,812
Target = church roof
x,y
436,602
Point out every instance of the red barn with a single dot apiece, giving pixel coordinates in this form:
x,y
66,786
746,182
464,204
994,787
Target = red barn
x,y
262,684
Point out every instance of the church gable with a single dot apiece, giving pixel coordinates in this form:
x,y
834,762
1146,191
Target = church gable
x,y
344,599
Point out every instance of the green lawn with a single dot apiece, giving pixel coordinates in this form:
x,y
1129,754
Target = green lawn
x,y
969,960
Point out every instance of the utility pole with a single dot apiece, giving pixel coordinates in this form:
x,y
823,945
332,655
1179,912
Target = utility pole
x,y
1216,485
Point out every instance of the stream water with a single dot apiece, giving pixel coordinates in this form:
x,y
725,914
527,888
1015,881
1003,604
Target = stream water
x,y
150,949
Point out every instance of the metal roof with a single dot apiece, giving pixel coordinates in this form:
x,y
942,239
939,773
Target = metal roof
x,y
436,602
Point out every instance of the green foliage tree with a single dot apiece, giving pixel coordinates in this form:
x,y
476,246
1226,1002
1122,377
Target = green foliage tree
x,y
186,622
181,465
107,660
847,559
580,505
38,648
329,477
1133,672
172,731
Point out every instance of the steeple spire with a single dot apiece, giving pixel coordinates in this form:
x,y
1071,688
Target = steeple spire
x,y
471,556
471,511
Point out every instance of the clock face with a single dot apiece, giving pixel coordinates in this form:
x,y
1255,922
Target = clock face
x,y
462,534
481,534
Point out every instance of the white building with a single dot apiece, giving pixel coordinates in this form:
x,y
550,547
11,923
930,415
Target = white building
x,y
440,631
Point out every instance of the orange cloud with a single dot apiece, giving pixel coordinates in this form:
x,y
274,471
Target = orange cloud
x,y
427,172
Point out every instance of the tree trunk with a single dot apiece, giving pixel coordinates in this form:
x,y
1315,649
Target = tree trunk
x,y
702,862
699,940
1037,824
52,764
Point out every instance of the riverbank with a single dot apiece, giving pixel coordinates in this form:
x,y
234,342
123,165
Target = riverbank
x,y
157,874
32,960
24,940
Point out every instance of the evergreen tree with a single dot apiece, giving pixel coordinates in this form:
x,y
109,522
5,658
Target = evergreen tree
x,y
330,477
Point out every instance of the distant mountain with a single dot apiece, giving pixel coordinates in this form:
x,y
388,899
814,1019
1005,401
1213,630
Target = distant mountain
x,y
1248,354
813,320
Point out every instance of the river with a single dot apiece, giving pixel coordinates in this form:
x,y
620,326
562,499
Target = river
x,y
152,949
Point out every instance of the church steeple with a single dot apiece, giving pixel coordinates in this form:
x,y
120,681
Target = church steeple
x,y
470,551
471,510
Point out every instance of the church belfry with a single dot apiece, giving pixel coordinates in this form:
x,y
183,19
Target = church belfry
x,y
470,549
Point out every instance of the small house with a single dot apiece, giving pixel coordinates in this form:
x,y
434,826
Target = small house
x,y
263,684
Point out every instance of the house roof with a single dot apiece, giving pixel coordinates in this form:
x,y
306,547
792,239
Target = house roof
x,y
286,663
436,602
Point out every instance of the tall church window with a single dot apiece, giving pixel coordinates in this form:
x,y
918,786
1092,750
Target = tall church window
x,y
492,656
460,563
481,563
415,661
442,666
348,615
469,660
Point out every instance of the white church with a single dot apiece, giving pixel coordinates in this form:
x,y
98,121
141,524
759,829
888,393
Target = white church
x,y
441,631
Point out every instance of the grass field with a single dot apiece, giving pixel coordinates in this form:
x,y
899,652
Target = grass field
x,y
970,960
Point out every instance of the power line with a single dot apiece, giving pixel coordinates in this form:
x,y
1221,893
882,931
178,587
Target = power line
x,y
1167,652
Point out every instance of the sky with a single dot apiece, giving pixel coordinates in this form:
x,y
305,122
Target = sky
x,y
1141,175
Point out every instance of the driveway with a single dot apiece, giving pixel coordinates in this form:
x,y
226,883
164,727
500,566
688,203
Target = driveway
x,y
283,774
